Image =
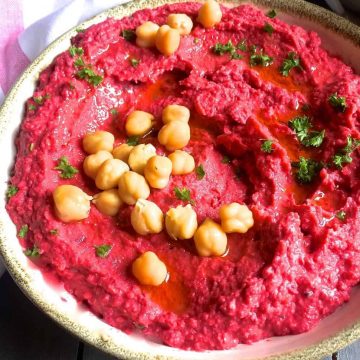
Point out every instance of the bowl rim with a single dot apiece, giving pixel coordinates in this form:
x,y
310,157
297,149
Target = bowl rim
x,y
298,8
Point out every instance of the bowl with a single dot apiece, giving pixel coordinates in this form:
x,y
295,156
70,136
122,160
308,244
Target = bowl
x,y
341,38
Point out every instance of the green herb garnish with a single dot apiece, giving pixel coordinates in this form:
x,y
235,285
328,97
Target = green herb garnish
x,y
343,156
266,146
54,231
31,107
132,140
268,28
200,172
242,45
11,191
23,231
34,252
134,62
66,170
301,125
183,194
260,59
337,102
307,169
103,251
128,35
79,62
291,62
73,50
341,215
271,14
79,30
40,99
114,112
221,49
90,76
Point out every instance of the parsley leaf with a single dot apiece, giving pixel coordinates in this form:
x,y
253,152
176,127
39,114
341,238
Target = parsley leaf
x,y
266,146
226,160
307,170
132,140
114,112
103,251
79,30
66,170
40,99
221,49
200,172
128,35
341,215
271,13
301,126
242,45
134,62
338,102
23,231
315,138
291,62
343,156
90,76
54,231
31,107
183,194
11,191
260,59
73,50
268,28
34,252
79,62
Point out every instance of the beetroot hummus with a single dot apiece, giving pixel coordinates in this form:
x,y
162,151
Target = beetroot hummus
x,y
274,124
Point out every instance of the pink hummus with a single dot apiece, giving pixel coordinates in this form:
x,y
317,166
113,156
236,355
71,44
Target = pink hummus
x,y
299,261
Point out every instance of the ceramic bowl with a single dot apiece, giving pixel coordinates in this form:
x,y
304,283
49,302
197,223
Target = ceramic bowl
x,y
334,332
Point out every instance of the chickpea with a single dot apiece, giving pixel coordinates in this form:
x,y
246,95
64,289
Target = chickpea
x,y
146,34
122,152
138,123
139,156
175,112
236,218
133,186
149,269
157,171
174,135
209,14
182,162
108,202
109,174
181,222
93,162
98,140
71,203
210,239
181,22
147,218
167,40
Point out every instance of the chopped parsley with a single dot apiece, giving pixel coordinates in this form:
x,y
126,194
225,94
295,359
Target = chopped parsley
x,y
73,50
23,231
226,160
31,107
183,194
114,112
103,251
228,48
34,252
41,99
301,126
268,28
79,62
200,172
260,59
128,35
266,146
11,191
337,102
307,169
291,62
271,14
134,62
66,170
79,30
54,231
242,45
90,76
132,140
343,156
341,215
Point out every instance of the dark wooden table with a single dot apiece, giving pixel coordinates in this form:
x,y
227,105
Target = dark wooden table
x,y
27,334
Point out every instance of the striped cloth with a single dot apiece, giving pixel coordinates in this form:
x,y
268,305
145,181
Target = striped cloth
x,y
28,26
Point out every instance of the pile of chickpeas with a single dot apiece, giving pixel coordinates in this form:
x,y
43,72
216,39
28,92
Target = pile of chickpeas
x,y
125,174
166,38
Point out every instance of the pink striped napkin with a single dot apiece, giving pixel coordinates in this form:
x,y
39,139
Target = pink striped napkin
x,y
28,27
